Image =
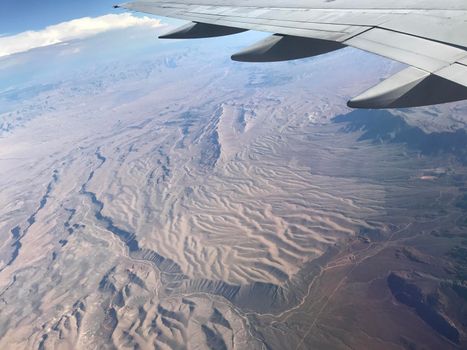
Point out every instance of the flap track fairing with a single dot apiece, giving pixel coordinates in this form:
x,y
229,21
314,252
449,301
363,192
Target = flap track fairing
x,y
283,48
194,30
411,87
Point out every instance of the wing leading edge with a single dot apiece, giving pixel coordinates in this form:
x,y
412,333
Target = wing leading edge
x,y
428,36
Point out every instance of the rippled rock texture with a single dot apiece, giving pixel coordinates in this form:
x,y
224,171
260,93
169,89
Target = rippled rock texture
x,y
163,197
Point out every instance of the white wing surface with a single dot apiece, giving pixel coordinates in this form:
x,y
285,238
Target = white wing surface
x,y
428,35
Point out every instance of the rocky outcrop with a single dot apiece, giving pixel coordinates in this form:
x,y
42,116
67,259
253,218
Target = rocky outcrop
x,y
406,291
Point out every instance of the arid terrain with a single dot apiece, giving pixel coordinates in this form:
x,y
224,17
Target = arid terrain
x,y
174,199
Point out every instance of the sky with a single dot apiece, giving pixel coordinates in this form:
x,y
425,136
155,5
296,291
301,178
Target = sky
x,y
26,25
22,15
30,24
75,29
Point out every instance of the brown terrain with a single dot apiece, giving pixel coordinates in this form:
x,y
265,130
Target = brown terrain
x,y
182,201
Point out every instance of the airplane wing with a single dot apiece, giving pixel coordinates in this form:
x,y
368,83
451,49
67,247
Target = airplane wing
x,y
430,36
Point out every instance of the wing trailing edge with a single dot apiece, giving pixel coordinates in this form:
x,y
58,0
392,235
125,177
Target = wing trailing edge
x,y
427,36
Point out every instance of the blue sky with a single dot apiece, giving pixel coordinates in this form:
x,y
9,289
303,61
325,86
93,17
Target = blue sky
x,y
21,15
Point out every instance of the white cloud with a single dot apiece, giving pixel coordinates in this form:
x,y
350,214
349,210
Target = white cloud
x,y
66,31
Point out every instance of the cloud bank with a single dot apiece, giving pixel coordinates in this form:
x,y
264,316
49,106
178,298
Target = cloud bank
x,y
76,29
